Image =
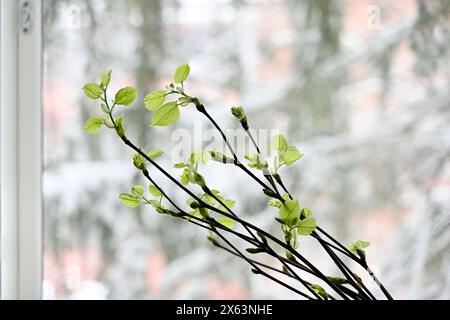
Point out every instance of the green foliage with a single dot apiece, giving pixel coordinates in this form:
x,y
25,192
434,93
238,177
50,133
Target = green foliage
x,y
137,191
254,161
320,291
290,212
125,96
155,99
105,79
306,213
337,280
184,101
119,126
279,143
358,247
92,90
93,125
227,222
306,226
274,203
155,191
166,114
286,154
139,162
129,200
181,73
220,157
186,177
291,155
239,113
199,157
156,153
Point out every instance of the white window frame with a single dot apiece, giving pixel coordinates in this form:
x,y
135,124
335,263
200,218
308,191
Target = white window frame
x,y
20,149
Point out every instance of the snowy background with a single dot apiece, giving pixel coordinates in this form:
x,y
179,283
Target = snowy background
x,y
360,87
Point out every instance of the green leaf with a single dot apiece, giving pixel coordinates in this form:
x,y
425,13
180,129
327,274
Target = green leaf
x,y
239,113
107,122
306,226
166,114
320,291
106,78
358,245
291,155
92,90
129,200
180,165
155,204
181,73
156,153
125,96
199,157
290,212
279,143
306,213
274,203
93,125
254,250
337,280
186,177
227,222
184,101
138,162
155,191
228,203
104,108
155,99
137,191
119,126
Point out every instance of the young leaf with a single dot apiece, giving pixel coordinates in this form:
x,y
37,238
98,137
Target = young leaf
x,y
279,143
180,165
186,177
183,101
306,226
320,291
138,162
125,96
137,190
199,157
274,203
166,114
106,78
119,126
291,155
93,125
92,90
337,280
181,73
155,191
155,99
129,200
358,245
290,212
156,153
227,222
306,213
104,108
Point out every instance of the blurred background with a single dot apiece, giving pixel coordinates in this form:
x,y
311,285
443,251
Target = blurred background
x,y
360,87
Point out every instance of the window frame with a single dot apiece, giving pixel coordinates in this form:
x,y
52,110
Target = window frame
x,y
21,149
